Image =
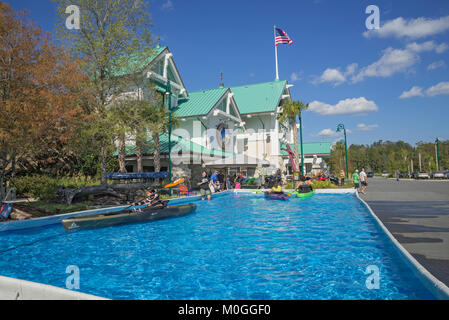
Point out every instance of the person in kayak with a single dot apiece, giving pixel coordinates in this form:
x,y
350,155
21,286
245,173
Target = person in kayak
x,y
152,200
304,185
277,189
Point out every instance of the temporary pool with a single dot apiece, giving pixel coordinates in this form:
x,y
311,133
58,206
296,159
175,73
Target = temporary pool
x,y
237,246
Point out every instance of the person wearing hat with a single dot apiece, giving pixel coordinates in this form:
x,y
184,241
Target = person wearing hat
x,y
356,180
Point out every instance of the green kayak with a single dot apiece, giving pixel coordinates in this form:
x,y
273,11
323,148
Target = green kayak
x,y
303,195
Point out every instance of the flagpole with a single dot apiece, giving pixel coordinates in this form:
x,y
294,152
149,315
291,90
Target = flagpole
x,y
276,54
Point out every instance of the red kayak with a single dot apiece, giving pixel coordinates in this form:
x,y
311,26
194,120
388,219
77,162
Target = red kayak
x,y
276,196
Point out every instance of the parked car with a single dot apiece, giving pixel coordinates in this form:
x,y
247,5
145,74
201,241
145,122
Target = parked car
x,y
386,174
438,175
421,175
404,175
446,174
370,174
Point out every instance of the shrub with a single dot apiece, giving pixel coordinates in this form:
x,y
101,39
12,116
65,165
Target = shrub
x,y
36,186
323,185
45,187
290,185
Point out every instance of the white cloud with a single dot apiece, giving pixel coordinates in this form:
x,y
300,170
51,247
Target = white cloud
x,y
395,61
364,127
413,92
168,5
436,90
410,28
336,76
329,133
439,89
295,76
332,75
348,106
436,65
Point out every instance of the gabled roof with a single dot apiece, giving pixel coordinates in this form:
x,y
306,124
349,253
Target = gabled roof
x,y
310,148
180,144
254,98
260,97
138,63
199,103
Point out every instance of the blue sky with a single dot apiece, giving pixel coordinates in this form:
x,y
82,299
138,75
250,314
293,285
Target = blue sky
x,y
388,84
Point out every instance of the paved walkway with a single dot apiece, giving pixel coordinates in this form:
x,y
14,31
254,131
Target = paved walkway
x,y
417,214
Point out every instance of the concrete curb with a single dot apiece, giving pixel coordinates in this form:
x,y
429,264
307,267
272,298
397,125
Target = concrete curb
x,y
15,289
438,288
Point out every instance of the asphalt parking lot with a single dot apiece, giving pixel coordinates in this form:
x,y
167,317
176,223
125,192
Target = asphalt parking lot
x,y
417,214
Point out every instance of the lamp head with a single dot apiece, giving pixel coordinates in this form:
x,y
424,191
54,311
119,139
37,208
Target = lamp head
x,y
340,127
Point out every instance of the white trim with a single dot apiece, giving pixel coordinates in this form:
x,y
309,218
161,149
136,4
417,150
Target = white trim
x,y
166,62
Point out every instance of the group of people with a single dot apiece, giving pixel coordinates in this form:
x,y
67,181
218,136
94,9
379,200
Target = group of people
x,y
304,185
216,181
360,180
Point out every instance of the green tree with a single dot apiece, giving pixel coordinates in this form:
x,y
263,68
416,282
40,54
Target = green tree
x,y
114,40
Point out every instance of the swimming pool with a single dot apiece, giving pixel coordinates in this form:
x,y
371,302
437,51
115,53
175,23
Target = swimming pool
x,y
238,246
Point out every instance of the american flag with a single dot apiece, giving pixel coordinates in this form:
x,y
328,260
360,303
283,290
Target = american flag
x,y
282,37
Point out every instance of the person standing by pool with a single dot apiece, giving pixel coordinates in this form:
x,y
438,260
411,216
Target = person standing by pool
x,y
363,180
221,180
342,178
204,185
214,180
356,180
228,183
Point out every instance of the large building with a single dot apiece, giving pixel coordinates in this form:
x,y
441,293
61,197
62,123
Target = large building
x,y
234,128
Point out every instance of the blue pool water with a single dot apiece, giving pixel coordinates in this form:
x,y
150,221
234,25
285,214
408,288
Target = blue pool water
x,y
238,246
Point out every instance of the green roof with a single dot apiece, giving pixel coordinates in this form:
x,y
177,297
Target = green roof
x,y
258,98
254,98
199,103
138,63
310,148
180,144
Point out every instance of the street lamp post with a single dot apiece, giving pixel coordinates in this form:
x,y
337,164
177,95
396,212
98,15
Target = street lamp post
x,y
438,153
168,95
339,129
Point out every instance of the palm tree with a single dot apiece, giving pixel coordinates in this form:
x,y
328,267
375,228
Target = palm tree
x,y
290,111
154,117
